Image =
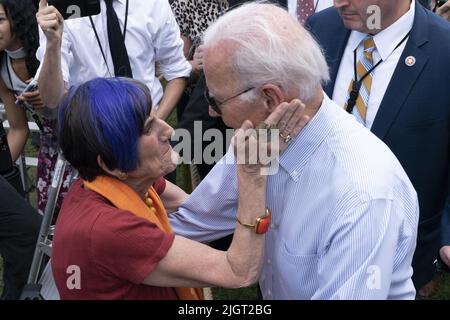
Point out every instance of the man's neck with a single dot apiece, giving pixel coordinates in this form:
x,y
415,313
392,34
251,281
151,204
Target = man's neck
x,y
312,106
399,12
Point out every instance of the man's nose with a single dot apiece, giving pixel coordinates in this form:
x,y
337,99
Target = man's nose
x,y
212,113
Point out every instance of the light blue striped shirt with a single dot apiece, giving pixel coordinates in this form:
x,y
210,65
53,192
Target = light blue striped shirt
x,y
344,215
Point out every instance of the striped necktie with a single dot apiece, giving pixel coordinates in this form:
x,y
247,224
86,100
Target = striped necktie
x,y
363,66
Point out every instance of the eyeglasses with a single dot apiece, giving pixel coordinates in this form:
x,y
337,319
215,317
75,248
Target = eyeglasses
x,y
215,105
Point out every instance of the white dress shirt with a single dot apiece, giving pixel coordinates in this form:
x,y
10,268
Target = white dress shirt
x,y
152,35
385,42
344,214
318,5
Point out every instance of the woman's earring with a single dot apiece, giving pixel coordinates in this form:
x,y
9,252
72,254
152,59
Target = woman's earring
x,y
123,175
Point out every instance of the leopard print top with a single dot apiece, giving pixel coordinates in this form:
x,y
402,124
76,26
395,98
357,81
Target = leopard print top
x,y
195,16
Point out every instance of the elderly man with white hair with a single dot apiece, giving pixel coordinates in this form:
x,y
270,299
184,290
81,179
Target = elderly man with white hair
x,y
344,213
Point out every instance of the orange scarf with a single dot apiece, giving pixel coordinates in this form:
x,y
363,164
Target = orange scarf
x,y
125,198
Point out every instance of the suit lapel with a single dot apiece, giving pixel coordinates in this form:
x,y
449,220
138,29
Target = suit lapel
x,y
335,49
334,55
404,76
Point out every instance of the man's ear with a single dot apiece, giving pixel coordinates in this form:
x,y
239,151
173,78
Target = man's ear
x,y
115,173
273,96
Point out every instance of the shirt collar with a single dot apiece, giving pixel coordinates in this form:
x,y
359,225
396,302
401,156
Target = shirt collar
x,y
388,39
300,150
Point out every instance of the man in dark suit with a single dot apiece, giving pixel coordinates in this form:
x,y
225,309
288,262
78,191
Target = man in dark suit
x,y
425,3
407,105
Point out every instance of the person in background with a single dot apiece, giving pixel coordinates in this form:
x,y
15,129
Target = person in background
x,y
443,9
19,229
128,38
69,53
196,109
398,63
444,253
193,18
425,3
18,64
303,9
19,222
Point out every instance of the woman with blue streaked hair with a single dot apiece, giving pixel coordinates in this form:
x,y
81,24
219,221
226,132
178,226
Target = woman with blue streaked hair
x,y
113,239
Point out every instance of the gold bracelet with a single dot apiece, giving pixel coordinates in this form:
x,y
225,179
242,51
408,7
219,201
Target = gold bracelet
x,y
262,223
245,224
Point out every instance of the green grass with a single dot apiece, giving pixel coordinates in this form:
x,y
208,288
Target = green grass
x,y
443,291
249,293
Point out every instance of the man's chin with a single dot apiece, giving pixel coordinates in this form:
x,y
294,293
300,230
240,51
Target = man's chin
x,y
231,124
353,25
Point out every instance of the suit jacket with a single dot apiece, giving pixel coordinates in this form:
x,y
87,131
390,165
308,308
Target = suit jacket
x,y
425,3
413,118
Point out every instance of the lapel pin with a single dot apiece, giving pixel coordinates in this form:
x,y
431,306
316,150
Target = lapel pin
x,y
410,61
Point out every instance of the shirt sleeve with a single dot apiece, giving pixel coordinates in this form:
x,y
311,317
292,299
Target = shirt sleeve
x,y
169,46
66,53
363,247
128,246
209,213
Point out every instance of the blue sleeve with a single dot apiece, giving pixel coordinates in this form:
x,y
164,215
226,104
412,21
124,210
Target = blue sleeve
x,y
209,213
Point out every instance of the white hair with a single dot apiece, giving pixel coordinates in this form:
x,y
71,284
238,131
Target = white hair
x,y
271,47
